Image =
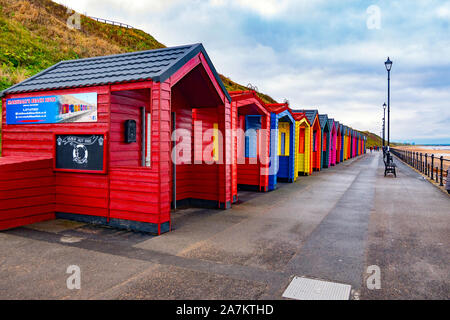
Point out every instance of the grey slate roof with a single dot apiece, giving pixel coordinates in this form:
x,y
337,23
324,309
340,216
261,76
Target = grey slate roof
x,y
157,65
310,114
323,119
330,122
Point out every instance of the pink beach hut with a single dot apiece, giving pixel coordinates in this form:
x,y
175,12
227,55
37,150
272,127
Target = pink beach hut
x,y
333,141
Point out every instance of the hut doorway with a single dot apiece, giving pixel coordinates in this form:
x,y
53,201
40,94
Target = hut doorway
x,y
286,151
197,152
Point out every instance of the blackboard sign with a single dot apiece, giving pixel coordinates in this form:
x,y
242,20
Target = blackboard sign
x,y
80,152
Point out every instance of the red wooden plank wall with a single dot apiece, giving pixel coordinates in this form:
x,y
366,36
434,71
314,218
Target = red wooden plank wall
x,y
27,191
184,124
140,193
162,97
134,195
126,105
227,187
234,151
205,177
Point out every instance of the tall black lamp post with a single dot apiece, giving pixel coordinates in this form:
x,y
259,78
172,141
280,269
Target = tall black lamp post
x,y
388,65
384,123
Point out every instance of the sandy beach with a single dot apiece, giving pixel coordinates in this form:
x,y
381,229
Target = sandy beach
x,y
438,151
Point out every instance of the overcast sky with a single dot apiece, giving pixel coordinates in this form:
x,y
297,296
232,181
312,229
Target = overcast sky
x,y
325,54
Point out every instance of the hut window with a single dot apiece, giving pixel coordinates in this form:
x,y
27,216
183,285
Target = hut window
x,y
252,126
250,144
301,141
283,144
283,138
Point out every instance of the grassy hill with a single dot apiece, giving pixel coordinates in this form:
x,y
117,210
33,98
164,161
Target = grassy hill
x,y
372,139
375,140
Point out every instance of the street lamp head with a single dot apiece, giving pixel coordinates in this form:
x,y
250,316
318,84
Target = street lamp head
x,y
388,64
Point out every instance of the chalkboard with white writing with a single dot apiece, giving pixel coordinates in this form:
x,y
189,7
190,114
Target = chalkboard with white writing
x,y
83,152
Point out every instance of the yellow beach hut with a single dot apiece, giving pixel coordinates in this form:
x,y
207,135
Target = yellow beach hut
x,y
304,144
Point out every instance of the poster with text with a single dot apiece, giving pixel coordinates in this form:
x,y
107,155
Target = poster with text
x,y
68,108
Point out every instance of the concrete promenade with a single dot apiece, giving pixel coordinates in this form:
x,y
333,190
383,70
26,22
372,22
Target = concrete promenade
x,y
331,226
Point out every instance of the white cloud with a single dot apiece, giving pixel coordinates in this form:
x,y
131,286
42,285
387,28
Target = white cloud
x,y
443,11
265,8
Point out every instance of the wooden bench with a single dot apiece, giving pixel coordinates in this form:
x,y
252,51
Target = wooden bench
x,y
389,165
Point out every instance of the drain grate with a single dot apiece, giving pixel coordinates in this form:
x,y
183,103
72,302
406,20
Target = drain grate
x,y
302,288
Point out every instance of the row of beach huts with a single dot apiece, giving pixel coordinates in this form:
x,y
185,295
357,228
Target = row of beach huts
x,y
167,135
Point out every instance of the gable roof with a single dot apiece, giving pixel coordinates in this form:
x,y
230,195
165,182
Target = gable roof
x,y
298,116
249,95
277,107
157,65
330,122
323,119
310,114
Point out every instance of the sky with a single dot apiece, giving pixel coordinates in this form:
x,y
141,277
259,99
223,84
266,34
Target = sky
x,y
324,54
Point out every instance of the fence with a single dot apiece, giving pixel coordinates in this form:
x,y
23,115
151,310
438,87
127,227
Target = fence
x,y
433,167
114,23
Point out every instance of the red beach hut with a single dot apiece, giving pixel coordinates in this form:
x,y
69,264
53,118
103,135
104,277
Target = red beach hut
x,y
313,118
113,165
253,140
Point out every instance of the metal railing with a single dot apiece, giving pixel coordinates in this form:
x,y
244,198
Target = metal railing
x,y
431,166
114,23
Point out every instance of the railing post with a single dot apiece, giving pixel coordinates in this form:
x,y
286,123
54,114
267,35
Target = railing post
x,y
421,163
442,169
432,166
426,164
416,155
417,162
437,174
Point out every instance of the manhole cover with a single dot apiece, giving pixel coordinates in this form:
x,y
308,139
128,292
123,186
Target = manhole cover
x,y
302,288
